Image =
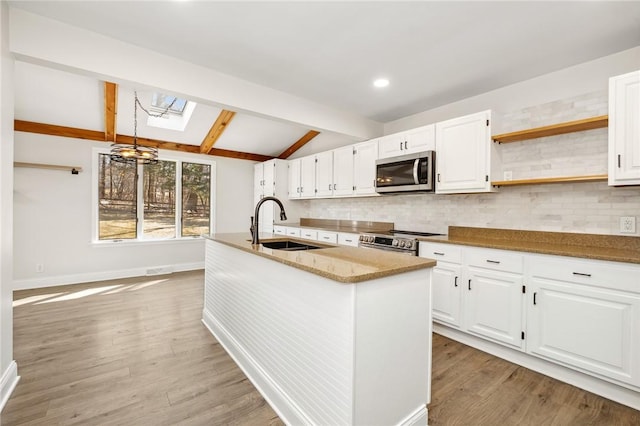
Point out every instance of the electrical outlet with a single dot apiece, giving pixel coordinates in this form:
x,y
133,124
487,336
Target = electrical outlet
x,y
508,175
39,267
628,224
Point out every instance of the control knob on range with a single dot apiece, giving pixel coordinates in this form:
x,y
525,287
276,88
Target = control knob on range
x,y
409,244
402,243
395,243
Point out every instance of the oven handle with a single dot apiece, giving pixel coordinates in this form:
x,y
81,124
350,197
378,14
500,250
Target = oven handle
x,y
416,163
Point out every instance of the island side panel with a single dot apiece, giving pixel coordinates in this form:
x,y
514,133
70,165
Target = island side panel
x,y
289,330
393,350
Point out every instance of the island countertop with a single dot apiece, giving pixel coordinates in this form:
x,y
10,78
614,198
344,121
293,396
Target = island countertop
x,y
339,263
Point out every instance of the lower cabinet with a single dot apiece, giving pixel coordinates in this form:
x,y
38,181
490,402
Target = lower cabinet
x,y
579,313
586,316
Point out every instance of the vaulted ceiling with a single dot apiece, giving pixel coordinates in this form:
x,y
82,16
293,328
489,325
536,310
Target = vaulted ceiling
x,y
434,53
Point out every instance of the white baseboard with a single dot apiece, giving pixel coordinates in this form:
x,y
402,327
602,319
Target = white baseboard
x,y
419,417
288,411
103,275
8,383
604,388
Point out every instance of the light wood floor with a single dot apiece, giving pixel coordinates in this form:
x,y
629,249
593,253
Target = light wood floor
x,y
134,352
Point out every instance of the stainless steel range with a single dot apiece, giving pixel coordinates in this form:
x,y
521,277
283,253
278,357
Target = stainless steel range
x,y
405,242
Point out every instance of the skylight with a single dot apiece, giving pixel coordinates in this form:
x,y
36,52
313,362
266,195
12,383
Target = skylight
x,y
160,102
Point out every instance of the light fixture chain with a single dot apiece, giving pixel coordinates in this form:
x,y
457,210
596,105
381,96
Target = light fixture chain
x,y
166,110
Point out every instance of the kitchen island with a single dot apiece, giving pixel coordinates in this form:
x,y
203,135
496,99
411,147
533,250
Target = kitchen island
x,y
337,335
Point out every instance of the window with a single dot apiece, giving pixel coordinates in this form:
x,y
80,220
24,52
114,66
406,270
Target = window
x,y
160,102
167,200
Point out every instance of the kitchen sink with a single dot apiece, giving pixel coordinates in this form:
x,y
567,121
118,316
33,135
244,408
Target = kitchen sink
x,y
289,245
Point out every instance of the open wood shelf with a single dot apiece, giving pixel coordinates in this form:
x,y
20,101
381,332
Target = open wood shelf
x,y
565,179
554,129
73,169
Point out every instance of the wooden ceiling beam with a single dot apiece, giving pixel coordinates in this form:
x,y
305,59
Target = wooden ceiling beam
x,y
219,126
94,135
110,110
299,144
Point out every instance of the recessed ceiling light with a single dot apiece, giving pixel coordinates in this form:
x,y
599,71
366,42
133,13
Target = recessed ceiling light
x,y
381,82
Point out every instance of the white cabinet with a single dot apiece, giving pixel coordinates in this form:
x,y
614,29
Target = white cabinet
x,y
348,239
586,315
308,234
324,174
446,282
279,230
328,237
479,291
302,177
364,167
269,179
624,129
343,171
414,140
464,153
494,298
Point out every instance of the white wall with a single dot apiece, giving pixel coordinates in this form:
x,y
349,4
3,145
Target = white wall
x,y
8,368
578,207
53,214
566,83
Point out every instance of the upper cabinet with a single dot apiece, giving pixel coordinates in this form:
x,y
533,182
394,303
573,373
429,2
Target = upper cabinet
x,y
414,140
624,129
364,167
270,179
324,174
302,177
343,171
463,154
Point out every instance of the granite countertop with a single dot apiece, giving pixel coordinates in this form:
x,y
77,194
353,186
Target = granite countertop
x,y
339,263
589,246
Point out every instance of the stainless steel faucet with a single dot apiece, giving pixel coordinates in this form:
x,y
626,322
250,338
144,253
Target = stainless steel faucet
x,y
254,220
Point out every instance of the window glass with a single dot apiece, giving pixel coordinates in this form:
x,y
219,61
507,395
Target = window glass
x,y
159,194
117,210
161,102
196,199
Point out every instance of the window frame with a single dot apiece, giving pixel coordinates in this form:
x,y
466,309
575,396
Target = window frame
x,y
163,155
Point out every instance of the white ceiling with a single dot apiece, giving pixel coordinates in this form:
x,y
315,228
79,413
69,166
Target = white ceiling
x,y
434,53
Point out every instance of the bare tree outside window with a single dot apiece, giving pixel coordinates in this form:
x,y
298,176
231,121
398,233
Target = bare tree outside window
x,y
159,191
196,199
117,210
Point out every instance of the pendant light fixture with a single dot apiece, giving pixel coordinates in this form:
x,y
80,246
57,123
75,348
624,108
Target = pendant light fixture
x,y
134,153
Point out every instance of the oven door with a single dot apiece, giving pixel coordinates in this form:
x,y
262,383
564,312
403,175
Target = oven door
x,y
412,172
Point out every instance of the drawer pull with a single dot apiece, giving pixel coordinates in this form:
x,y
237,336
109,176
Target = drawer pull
x,y
349,241
534,297
438,253
497,262
455,281
580,274
469,284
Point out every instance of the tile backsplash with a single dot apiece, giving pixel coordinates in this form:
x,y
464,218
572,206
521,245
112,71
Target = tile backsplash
x,y
572,207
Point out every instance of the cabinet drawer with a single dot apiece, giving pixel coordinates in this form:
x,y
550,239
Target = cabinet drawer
x,y
348,239
293,232
496,260
280,230
309,234
444,252
328,237
595,273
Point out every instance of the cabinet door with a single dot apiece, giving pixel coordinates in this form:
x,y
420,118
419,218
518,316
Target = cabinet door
x,y
365,167
328,237
343,171
294,178
586,314
420,139
493,306
269,178
308,176
447,294
463,147
624,129
258,180
324,174
392,145
267,215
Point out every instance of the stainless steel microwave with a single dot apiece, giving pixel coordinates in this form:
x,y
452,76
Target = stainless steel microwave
x,y
406,173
